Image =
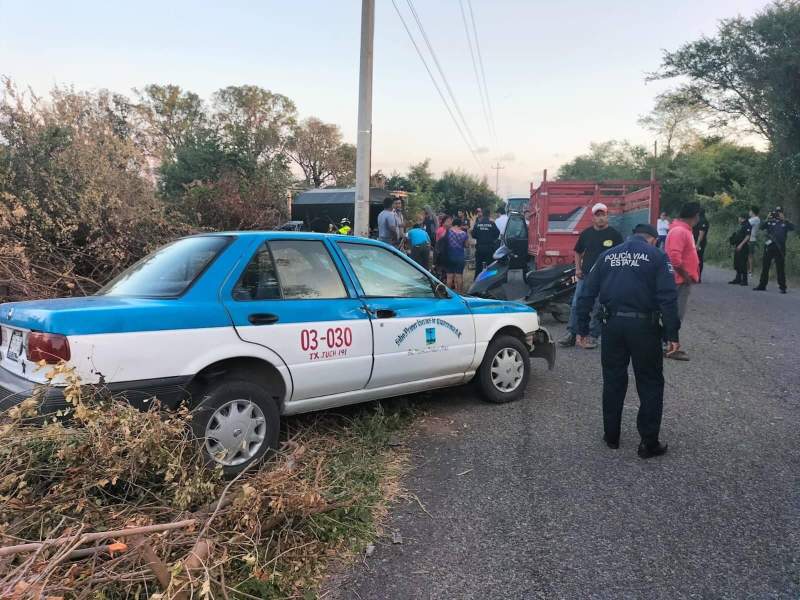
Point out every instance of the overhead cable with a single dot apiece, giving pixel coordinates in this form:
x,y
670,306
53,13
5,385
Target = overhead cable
x,y
442,75
475,68
436,85
483,72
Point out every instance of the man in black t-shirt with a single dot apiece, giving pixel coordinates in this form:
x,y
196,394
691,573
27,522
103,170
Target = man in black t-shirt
x,y
592,242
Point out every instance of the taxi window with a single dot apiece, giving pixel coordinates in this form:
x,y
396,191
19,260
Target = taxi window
x,y
306,270
259,281
383,274
169,271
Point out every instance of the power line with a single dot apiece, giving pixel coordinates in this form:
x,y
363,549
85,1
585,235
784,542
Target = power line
x,y
442,75
475,67
483,72
436,85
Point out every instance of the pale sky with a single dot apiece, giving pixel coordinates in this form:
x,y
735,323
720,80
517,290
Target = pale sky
x,y
560,74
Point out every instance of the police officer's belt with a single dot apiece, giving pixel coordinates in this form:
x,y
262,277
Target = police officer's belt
x,y
633,315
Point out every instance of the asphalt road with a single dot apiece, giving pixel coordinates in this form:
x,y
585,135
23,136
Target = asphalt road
x,y
525,501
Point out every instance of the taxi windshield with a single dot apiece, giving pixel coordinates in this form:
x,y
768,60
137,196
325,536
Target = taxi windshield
x,y
169,271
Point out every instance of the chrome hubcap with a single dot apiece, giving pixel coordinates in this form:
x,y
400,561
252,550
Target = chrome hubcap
x,y
235,432
507,370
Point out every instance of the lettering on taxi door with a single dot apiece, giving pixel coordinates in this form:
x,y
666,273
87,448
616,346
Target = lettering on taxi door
x,y
422,323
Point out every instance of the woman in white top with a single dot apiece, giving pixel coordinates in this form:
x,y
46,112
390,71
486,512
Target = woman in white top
x,y
662,225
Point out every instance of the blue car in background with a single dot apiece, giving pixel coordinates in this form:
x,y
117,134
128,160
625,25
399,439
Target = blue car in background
x,y
249,326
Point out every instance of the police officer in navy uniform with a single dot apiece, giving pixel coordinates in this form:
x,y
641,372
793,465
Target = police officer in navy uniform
x,y
639,300
776,228
485,233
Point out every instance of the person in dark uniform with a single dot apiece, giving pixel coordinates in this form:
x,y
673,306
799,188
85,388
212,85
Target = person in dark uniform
x,y
485,233
639,304
700,233
740,240
776,229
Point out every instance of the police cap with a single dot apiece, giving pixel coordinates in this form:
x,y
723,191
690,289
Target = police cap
x,y
647,229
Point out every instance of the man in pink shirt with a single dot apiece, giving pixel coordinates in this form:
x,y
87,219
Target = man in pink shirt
x,y
682,253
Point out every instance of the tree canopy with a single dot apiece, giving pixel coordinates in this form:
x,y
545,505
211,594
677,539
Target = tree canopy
x,y
453,191
706,168
750,72
91,181
318,150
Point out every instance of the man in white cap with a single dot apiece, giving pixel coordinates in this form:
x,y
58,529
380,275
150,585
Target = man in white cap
x,y
592,242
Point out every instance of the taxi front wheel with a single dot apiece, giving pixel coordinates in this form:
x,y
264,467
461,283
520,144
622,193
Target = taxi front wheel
x,y
236,422
504,372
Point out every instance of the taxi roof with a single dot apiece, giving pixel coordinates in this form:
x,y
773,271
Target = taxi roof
x,y
306,235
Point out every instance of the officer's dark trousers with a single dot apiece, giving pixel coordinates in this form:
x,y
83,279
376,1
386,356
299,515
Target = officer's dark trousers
x,y
772,252
701,256
740,264
638,339
483,257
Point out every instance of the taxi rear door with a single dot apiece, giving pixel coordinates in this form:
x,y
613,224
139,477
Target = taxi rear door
x,y
291,297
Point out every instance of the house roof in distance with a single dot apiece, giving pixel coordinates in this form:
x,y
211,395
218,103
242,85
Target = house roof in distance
x,y
329,196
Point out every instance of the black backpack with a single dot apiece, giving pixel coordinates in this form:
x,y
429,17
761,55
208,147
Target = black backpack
x,y
442,249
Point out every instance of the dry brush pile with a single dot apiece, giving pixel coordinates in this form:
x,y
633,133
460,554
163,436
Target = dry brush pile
x,y
90,182
126,509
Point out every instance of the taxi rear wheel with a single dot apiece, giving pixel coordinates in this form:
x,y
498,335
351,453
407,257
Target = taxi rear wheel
x,y
505,370
236,423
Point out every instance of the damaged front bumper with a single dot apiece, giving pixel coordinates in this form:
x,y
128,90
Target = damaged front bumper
x,y
541,345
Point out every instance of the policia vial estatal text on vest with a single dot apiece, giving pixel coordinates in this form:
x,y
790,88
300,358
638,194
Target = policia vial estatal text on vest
x,y
639,306
485,233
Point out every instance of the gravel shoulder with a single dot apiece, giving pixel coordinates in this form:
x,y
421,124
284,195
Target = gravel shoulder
x,y
525,501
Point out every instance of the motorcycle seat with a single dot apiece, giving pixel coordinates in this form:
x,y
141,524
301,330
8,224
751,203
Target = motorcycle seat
x,y
542,276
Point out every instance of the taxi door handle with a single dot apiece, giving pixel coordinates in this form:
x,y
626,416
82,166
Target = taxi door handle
x,y
385,313
262,318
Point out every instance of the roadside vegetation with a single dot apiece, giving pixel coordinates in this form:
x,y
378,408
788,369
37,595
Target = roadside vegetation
x,y
270,533
90,182
729,135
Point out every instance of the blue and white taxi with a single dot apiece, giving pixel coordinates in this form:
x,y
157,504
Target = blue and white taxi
x,y
248,326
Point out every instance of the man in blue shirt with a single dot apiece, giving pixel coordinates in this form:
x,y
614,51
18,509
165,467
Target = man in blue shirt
x,y
636,287
420,244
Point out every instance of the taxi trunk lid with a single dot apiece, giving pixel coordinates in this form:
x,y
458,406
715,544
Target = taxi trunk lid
x,y
63,316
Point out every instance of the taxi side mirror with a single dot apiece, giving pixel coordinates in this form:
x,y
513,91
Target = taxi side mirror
x,y
440,291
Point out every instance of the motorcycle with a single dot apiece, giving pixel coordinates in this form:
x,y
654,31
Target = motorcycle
x,y
510,276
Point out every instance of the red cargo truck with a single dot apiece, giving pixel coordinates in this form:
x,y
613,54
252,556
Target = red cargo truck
x,y
560,210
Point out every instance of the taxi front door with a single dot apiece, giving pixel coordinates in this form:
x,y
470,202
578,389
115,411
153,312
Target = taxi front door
x,y
291,298
416,336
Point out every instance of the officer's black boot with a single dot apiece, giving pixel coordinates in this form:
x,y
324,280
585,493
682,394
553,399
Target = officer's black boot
x,y
611,442
736,280
649,450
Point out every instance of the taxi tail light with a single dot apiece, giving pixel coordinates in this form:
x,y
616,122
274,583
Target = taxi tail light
x,y
52,348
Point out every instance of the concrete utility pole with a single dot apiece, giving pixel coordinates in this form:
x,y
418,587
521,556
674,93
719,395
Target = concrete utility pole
x,y
364,140
497,169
